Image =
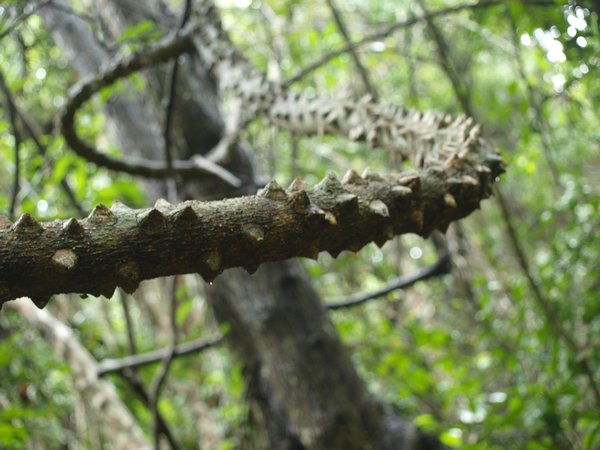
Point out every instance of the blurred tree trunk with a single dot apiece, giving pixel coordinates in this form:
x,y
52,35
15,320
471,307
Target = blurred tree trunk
x,y
303,388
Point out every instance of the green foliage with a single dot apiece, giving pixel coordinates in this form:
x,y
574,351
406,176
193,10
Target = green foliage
x,y
486,369
474,357
35,392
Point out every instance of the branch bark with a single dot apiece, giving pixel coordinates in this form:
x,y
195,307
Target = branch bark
x,y
122,246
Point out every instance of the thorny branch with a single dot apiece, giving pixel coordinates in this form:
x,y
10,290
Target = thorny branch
x,y
122,247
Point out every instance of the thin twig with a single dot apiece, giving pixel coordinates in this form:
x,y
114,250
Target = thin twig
x,y
130,375
538,123
33,131
170,107
12,118
381,34
143,359
160,378
28,11
128,324
543,303
138,388
446,61
387,31
440,267
357,62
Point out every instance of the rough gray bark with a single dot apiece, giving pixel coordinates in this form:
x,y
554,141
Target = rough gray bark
x,y
293,356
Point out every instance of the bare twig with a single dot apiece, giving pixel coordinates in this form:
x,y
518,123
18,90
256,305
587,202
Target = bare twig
x,y
138,388
130,375
128,324
446,61
12,118
143,359
160,378
381,34
33,131
170,106
28,11
440,267
364,75
387,31
538,123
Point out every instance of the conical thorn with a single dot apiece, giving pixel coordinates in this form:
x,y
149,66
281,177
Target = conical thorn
x,y
119,207
348,200
369,175
379,208
213,260
73,228
296,185
355,247
330,218
443,227
101,215
186,216
299,200
452,162
152,222
128,275
27,225
450,200
251,267
272,191
329,184
410,180
352,177
311,252
417,217
335,252
467,179
163,205
40,301
483,169
401,191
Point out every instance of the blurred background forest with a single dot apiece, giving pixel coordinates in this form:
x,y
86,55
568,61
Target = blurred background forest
x,y
501,353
